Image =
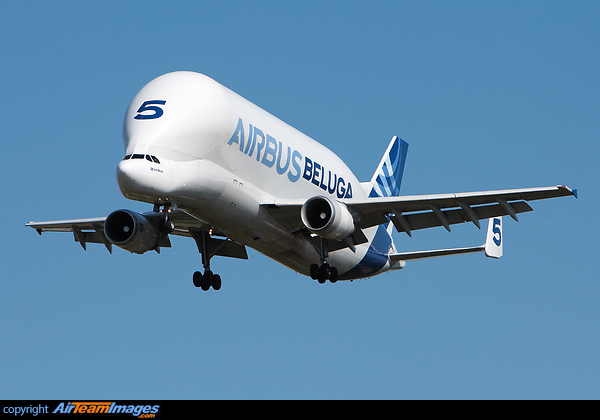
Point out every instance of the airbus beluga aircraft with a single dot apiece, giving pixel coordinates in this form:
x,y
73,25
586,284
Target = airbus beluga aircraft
x,y
228,174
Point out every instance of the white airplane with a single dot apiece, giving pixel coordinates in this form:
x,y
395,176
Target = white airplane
x,y
225,172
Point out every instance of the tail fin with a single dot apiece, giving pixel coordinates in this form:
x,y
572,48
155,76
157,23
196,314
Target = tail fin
x,y
493,241
388,176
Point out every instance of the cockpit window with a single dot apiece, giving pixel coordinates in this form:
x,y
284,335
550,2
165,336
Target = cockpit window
x,y
149,158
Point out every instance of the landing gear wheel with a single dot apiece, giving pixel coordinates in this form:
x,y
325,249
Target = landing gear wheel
x,y
324,273
197,279
333,274
166,226
206,280
216,282
207,247
314,271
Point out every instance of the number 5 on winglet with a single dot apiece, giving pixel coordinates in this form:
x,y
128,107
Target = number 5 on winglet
x,y
493,241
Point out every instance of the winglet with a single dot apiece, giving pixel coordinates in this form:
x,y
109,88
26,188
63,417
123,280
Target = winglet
x,y
493,241
569,190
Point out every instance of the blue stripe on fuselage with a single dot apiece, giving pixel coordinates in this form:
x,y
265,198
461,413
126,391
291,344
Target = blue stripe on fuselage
x,y
375,258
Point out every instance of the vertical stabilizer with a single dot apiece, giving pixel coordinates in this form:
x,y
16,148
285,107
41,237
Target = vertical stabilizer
x,y
388,176
386,183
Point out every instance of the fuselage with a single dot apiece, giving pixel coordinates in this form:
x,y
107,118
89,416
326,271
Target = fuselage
x,y
194,143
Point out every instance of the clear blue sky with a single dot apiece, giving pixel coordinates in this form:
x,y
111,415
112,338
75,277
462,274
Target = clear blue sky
x,y
490,95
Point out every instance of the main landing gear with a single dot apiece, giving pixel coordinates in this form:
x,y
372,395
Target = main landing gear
x,y
208,279
323,272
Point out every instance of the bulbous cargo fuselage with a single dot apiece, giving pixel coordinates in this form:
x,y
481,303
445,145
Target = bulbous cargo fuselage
x,y
193,142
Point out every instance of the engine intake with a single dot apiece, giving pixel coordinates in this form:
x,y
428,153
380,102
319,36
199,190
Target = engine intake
x,y
327,218
131,231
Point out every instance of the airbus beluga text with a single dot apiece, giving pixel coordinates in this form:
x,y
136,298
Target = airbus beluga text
x,y
228,174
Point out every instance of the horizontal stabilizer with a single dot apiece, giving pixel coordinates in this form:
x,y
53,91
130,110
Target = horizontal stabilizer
x,y
420,255
492,246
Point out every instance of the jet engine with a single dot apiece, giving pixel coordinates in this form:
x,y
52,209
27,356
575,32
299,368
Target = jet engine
x,y
327,218
131,231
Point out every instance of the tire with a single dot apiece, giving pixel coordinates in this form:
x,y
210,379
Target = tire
x,y
170,226
216,282
324,273
333,274
197,279
314,271
206,280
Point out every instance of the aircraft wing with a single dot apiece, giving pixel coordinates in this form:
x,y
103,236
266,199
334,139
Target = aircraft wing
x,y
409,213
92,231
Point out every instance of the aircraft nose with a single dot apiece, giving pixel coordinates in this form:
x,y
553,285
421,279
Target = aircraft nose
x,y
143,178
124,175
127,176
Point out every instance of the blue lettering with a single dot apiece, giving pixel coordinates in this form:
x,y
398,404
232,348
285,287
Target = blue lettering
x,y
322,185
296,156
341,189
496,230
260,145
238,135
307,169
249,140
270,152
315,177
150,106
281,170
348,191
330,188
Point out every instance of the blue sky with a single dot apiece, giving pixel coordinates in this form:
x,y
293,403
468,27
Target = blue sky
x,y
490,95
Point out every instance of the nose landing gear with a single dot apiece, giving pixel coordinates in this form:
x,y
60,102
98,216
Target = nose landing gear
x,y
208,279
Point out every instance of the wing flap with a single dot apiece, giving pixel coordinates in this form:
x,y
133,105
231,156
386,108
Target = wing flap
x,y
424,202
429,219
215,246
419,212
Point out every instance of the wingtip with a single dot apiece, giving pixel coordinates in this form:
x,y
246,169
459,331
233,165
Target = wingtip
x,y
572,191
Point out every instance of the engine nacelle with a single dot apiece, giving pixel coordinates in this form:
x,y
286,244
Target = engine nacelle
x,y
327,218
131,231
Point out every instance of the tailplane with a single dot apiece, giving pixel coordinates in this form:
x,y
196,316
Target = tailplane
x,y
492,246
